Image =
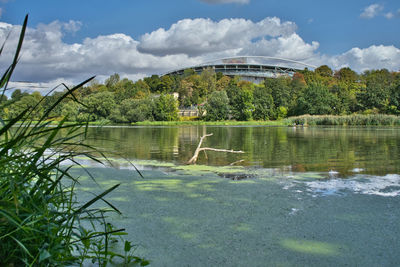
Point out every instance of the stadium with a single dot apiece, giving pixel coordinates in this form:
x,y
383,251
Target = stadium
x,y
250,68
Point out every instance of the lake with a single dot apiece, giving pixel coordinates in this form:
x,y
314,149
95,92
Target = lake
x,y
312,196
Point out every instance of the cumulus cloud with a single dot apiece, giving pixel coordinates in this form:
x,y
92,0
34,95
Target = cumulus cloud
x,y
198,36
371,11
226,1
290,47
373,57
389,15
47,60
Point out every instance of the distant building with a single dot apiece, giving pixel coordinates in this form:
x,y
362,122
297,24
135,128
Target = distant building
x,y
250,68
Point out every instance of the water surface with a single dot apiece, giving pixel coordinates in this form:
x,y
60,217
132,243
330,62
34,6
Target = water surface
x,y
322,149
312,196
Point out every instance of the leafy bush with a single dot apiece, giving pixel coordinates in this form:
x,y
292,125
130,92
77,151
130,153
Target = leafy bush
x,y
217,107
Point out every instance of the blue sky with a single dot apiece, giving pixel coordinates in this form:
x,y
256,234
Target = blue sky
x,y
73,39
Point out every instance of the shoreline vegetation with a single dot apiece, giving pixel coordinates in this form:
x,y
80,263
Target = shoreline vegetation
x,y
45,220
303,120
342,95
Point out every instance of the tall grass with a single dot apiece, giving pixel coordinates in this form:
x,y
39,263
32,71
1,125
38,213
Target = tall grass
x,y
41,221
216,123
347,120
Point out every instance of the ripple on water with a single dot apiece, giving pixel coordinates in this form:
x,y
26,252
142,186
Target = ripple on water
x,y
386,186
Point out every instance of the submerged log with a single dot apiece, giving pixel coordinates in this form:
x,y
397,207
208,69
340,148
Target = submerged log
x,y
199,149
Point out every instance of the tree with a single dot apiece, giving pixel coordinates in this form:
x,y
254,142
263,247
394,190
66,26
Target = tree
x,y
280,91
209,79
112,81
25,102
153,82
134,110
324,71
242,106
222,83
315,100
16,95
99,105
166,108
217,106
263,103
376,93
346,75
165,85
71,109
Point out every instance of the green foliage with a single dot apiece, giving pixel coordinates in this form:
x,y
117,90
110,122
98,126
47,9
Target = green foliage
x,y
166,108
217,106
377,91
242,106
263,104
316,99
280,91
99,105
136,110
281,112
112,81
153,82
41,221
349,120
324,71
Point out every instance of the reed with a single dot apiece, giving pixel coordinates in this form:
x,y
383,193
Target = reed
x,y
211,123
346,120
41,221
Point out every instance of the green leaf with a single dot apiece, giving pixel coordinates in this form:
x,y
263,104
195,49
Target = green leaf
x,y
44,254
127,246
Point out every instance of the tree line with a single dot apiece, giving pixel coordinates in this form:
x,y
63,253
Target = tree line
x,y
218,97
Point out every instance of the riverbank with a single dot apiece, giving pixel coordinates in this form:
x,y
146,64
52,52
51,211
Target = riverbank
x,y
303,120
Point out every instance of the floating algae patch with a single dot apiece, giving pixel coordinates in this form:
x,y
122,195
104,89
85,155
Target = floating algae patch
x,y
202,169
178,218
153,163
171,185
242,227
311,247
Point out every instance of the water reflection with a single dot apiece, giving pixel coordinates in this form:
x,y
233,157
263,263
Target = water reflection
x,y
330,149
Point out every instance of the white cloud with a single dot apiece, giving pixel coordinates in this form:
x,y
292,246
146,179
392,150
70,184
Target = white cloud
x,y
371,11
226,1
389,15
47,60
198,36
373,57
290,47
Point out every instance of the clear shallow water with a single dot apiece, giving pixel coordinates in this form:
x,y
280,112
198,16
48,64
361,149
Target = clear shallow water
x,y
312,197
342,150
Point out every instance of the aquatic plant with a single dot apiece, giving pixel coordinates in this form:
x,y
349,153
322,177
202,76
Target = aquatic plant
x,y
347,120
42,221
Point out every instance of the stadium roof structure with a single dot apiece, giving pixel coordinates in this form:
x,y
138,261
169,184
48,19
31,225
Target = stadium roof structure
x,y
251,68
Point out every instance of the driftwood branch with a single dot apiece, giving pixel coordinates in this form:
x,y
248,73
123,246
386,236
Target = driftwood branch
x,y
199,149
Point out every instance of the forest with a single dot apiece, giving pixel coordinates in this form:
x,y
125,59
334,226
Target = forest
x,y
322,91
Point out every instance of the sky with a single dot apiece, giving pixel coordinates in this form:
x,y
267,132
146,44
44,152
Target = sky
x,y
69,41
